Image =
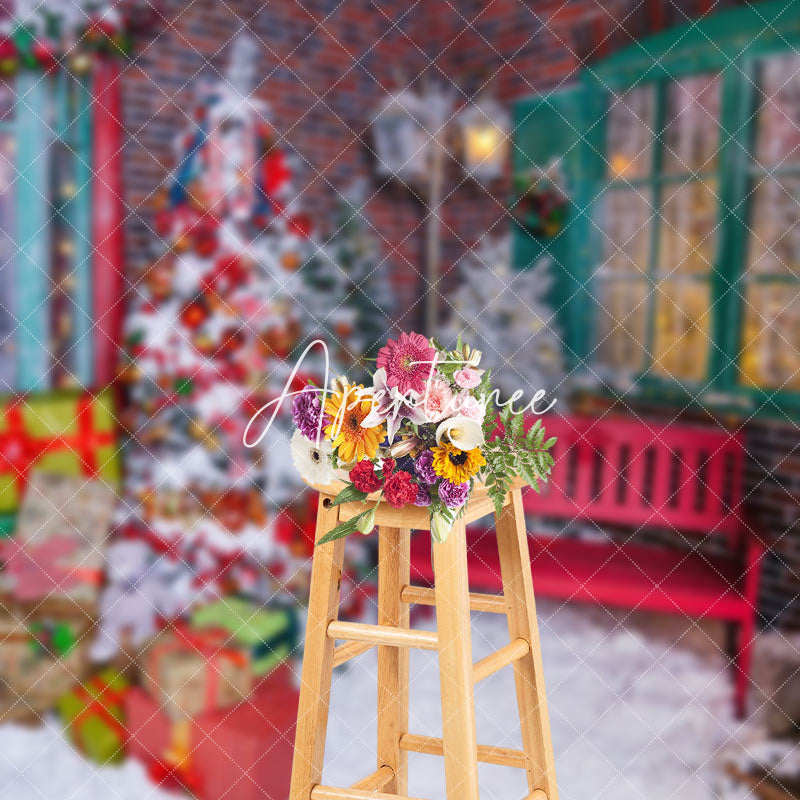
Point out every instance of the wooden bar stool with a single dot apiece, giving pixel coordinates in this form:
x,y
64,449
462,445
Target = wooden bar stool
x,y
393,637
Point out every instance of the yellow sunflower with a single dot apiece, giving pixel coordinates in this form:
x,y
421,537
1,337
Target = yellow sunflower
x,y
346,410
457,466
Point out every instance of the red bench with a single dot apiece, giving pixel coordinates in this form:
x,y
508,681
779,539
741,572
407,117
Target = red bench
x,y
637,475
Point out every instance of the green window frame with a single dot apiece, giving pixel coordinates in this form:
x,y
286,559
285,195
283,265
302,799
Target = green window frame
x,y
574,124
45,232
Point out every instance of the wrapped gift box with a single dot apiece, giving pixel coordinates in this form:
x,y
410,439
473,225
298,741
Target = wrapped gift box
x,y
94,716
190,672
39,661
269,634
62,527
64,433
243,752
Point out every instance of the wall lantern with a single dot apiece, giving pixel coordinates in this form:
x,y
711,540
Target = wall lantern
x,y
412,133
401,137
484,128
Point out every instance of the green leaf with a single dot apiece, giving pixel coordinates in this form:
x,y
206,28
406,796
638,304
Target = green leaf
x,y
343,529
348,495
550,442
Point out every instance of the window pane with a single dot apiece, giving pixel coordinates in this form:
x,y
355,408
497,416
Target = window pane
x,y
778,121
630,133
8,321
621,315
688,235
626,225
771,336
774,247
682,321
691,132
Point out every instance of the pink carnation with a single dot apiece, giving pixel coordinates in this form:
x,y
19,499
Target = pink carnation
x,y
437,400
405,360
470,407
468,377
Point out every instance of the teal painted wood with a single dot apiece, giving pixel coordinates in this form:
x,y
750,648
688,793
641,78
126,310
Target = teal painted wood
x,y
81,211
738,106
706,44
547,127
33,239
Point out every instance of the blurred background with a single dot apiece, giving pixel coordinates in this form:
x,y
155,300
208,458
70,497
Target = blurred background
x,y
602,197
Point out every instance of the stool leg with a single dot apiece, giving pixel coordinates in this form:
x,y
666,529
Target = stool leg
x,y
393,574
455,665
315,687
512,542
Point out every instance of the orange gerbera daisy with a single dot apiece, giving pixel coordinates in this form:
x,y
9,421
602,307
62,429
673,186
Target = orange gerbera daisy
x,y
347,409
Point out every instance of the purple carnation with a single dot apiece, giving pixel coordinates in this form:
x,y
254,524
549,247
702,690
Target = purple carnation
x,y
454,495
423,466
423,498
306,413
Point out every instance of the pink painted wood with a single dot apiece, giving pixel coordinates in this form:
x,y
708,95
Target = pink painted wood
x,y
638,475
626,472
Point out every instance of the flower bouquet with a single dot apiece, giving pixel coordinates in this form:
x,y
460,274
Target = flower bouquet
x,y
428,429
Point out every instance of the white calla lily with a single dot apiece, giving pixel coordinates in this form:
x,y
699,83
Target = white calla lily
x,y
462,432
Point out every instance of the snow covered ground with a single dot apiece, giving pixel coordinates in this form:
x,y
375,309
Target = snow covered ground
x,y
635,716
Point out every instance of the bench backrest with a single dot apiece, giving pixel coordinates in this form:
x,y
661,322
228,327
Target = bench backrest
x,y
636,473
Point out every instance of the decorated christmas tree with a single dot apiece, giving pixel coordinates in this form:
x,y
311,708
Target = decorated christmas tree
x,y
506,314
214,327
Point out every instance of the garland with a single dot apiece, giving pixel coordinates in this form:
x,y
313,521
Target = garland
x,y
26,48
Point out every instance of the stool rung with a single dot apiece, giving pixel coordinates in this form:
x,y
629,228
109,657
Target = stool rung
x,y
537,795
423,596
375,781
332,793
345,652
433,746
519,648
382,634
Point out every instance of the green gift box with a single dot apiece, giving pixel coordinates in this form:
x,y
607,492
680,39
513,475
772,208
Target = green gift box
x,y
64,433
270,634
94,716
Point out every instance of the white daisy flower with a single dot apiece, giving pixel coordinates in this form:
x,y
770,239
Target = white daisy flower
x,y
312,462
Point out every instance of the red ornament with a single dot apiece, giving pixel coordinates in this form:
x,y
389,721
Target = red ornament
x,y
163,222
300,224
99,28
232,340
159,278
9,57
194,314
275,171
205,243
45,55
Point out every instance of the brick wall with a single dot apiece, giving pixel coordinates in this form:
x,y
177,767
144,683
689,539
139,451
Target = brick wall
x,y
325,67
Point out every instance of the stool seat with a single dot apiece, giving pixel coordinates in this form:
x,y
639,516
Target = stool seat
x,y
393,637
479,505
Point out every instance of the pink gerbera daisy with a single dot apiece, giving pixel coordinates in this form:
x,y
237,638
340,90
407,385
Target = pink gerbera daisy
x,y
405,362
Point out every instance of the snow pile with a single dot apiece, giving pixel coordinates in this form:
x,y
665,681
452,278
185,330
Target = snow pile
x,y
633,718
38,762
